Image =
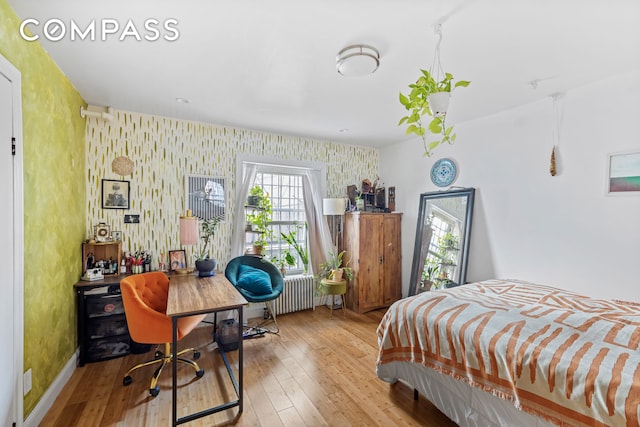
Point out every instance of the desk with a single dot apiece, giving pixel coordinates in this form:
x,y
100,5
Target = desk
x,y
189,295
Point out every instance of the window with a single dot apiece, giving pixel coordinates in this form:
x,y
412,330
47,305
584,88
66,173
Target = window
x,y
287,200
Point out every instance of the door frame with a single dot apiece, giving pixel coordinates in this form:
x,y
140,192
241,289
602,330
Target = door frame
x,y
14,76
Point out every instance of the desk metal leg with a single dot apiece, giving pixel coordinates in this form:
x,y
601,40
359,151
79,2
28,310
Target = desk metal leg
x,y
237,385
174,365
240,356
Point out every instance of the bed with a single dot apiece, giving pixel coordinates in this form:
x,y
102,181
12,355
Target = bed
x,y
512,353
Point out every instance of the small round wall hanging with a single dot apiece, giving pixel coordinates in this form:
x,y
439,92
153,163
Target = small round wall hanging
x,y
443,172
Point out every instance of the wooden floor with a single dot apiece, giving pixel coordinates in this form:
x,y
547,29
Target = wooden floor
x,y
319,371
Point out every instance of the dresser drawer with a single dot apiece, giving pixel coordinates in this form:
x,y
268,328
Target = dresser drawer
x,y
107,327
108,348
107,305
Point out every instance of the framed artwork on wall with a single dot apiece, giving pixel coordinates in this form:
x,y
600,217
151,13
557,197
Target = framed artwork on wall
x,y
177,260
206,196
623,173
115,194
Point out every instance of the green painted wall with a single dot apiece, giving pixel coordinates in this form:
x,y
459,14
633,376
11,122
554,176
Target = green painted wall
x,y
54,205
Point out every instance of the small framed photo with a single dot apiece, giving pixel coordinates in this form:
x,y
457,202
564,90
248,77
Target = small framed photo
x,y
115,194
623,173
117,236
177,260
102,232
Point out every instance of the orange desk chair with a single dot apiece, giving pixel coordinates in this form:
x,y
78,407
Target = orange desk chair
x,y
145,304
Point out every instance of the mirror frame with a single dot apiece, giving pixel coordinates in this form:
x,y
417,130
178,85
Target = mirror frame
x,y
424,198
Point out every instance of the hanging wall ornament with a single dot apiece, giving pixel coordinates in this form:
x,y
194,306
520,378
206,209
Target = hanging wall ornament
x,y
553,169
122,165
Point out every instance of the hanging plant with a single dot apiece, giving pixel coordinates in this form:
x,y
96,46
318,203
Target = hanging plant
x,y
430,97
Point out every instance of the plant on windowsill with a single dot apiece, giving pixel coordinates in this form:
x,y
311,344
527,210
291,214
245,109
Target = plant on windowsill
x,y
259,216
284,260
302,251
334,269
204,263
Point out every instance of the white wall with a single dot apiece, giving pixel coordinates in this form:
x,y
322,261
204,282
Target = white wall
x,y
562,231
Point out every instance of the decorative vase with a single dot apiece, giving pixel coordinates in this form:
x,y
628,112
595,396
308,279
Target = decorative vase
x,y
206,267
283,271
336,275
257,250
439,103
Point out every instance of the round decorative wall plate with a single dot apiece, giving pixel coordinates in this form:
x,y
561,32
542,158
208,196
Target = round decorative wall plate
x,y
443,172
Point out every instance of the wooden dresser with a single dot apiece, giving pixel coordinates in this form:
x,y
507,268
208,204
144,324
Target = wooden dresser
x,y
373,249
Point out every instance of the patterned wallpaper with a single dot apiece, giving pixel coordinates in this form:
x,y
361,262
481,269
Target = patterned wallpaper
x,y
165,150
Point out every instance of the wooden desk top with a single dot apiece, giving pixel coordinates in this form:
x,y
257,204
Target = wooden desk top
x,y
190,294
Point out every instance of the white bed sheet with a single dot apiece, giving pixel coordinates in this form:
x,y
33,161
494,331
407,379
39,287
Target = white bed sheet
x,y
465,405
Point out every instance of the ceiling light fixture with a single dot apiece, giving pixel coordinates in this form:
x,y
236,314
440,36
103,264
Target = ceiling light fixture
x,y
357,60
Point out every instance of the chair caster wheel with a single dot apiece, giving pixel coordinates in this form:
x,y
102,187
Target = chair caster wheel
x,y
196,355
200,373
158,354
127,380
154,391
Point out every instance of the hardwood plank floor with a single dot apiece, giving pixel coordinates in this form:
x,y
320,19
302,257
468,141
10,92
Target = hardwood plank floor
x,y
319,371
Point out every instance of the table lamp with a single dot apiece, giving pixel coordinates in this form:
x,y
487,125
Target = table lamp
x,y
188,229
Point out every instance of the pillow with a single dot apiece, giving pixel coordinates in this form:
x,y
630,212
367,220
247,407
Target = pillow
x,y
254,280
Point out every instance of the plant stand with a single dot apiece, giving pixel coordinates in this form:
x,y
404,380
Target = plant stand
x,y
329,287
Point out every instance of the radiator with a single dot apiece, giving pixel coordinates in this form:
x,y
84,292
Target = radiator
x,y
297,295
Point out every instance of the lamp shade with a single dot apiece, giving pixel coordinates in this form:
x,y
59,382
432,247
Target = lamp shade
x,y
188,229
333,206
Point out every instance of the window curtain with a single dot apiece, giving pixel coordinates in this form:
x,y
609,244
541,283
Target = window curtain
x,y
320,243
237,236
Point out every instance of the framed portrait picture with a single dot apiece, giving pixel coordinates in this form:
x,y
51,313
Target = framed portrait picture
x,y
117,236
623,173
115,194
177,260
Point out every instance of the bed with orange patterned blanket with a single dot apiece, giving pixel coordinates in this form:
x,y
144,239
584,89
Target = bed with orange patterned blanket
x,y
563,357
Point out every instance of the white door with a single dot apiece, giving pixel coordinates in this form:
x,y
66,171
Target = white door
x,y
8,398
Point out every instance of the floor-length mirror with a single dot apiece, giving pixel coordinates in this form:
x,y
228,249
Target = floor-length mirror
x,y
442,240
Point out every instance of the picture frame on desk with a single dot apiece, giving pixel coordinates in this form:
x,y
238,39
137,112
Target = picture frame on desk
x,y
177,260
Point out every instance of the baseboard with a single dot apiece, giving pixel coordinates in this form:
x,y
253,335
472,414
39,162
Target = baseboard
x,y
36,416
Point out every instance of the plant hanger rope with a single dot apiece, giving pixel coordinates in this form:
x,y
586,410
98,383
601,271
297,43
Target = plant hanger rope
x,y
436,69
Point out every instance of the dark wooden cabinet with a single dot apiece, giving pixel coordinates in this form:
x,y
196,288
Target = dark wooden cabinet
x,y
373,249
102,326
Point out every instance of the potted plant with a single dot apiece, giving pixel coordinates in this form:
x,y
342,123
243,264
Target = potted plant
x,y
302,251
259,217
255,195
204,264
284,260
429,97
334,269
429,274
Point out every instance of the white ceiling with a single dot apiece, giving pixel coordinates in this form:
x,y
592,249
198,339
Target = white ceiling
x,y
270,65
